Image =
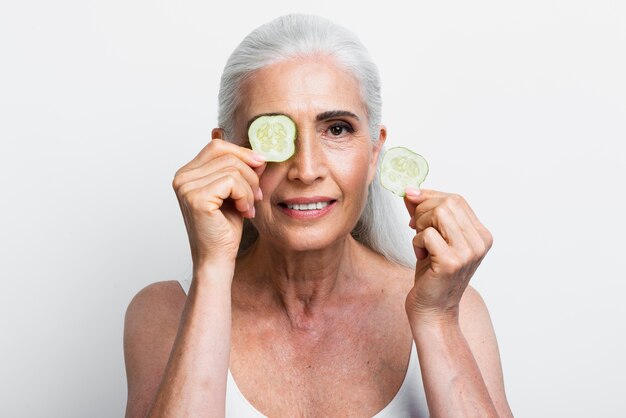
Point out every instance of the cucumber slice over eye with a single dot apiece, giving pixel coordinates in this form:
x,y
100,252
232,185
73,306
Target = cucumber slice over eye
x,y
402,168
273,137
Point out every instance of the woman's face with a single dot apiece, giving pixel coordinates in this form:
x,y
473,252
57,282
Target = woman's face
x,y
334,161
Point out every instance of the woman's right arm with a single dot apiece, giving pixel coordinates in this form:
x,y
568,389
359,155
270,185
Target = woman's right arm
x,y
177,364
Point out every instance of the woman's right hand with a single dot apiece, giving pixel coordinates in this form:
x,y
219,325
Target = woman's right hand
x,y
215,191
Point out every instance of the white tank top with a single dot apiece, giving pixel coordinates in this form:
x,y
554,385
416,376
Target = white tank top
x,y
410,401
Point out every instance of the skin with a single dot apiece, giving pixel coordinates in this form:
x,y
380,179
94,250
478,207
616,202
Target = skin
x,y
309,321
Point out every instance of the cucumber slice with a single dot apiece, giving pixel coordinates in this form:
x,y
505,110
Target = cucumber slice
x,y
402,168
273,137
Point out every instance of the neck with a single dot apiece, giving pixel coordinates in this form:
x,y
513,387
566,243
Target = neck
x,y
303,283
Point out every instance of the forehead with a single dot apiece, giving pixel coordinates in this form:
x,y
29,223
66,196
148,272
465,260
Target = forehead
x,y
300,86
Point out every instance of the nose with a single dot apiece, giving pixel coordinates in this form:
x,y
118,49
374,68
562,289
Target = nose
x,y
309,161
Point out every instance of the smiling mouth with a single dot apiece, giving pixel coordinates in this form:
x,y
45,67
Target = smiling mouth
x,y
307,206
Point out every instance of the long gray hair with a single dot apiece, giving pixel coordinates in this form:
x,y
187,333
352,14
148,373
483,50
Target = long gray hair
x,y
298,35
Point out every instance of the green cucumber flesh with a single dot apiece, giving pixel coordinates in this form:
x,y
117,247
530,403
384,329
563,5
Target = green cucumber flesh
x,y
273,137
402,168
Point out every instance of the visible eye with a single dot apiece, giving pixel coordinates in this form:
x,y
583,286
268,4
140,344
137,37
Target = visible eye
x,y
340,128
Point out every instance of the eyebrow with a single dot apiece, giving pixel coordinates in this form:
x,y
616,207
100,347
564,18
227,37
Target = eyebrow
x,y
329,114
335,114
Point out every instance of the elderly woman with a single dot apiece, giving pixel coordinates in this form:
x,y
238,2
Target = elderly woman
x,y
317,312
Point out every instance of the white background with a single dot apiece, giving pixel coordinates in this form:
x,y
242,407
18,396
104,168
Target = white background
x,y
520,107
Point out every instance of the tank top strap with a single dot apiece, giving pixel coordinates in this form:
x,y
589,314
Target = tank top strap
x,y
410,400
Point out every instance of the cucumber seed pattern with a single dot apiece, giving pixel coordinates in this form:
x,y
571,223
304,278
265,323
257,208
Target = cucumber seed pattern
x,y
404,165
272,136
402,168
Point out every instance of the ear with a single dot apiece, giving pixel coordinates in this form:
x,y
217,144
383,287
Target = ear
x,y
376,148
217,133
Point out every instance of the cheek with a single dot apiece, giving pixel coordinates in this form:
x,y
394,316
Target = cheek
x,y
353,175
270,180
264,217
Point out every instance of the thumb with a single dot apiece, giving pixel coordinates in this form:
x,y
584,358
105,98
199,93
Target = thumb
x,y
412,198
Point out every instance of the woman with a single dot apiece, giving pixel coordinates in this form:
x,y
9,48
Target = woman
x,y
312,312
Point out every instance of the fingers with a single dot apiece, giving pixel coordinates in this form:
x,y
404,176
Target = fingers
x,y
224,163
221,171
479,227
429,242
414,197
473,235
443,219
210,192
238,190
454,221
218,147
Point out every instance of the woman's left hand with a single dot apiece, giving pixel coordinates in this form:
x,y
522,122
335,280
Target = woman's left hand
x,y
450,242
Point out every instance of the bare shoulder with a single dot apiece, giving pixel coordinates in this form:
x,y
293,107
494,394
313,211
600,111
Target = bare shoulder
x,y
150,327
157,298
474,317
472,303
478,330
157,305
154,311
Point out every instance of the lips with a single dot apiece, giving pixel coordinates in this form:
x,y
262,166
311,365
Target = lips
x,y
307,203
307,207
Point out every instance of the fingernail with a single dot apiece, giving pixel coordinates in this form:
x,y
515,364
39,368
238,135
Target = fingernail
x,y
258,157
253,211
412,191
259,194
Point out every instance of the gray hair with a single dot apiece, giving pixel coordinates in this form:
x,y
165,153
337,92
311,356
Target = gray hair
x,y
300,36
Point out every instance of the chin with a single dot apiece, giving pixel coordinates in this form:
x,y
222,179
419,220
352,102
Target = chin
x,y
308,239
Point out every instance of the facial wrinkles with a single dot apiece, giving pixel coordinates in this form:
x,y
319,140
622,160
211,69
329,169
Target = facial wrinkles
x,y
302,90
303,84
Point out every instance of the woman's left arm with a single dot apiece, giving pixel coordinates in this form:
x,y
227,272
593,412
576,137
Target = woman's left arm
x,y
454,337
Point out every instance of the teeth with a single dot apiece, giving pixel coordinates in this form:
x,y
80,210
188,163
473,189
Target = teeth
x,y
308,206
